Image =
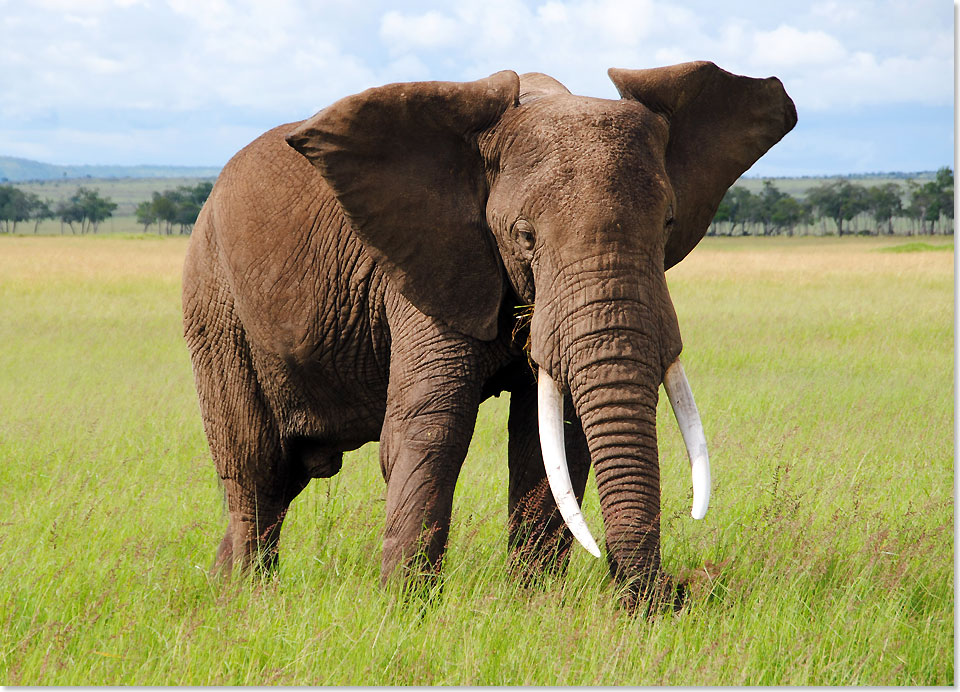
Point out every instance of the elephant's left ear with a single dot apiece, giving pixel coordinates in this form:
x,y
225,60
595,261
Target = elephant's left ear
x,y
404,163
720,124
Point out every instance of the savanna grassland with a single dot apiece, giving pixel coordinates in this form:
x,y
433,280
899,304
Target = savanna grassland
x,y
823,370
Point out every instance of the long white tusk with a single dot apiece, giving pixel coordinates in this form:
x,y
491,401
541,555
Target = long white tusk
x,y
550,414
688,418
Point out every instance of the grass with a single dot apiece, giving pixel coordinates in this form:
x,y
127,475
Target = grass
x,y
919,247
823,370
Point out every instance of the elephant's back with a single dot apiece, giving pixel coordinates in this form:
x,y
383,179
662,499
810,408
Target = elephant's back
x,y
268,190
292,262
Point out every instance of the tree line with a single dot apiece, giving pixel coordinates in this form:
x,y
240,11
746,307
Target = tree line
x,y
178,207
86,209
840,207
851,208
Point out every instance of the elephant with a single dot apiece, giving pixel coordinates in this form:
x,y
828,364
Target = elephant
x,y
378,270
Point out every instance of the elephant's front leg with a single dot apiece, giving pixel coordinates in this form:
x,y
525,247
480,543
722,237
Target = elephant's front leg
x,y
538,537
433,397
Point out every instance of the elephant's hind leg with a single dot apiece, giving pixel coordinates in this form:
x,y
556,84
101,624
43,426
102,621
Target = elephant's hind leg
x,y
241,432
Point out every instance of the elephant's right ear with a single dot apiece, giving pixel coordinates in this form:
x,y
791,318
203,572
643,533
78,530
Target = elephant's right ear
x,y
404,164
720,124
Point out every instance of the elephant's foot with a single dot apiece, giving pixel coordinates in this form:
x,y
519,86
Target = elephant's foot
x,y
412,561
250,545
416,578
652,595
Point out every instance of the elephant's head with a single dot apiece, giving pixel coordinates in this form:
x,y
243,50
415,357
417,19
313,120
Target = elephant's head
x,y
579,205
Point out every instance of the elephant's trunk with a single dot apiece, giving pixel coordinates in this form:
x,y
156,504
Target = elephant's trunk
x,y
615,397
614,353
550,414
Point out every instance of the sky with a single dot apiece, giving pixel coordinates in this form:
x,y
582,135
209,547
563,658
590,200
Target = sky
x,y
190,82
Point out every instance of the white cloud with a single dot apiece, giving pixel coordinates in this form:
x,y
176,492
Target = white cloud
x,y
835,12
75,6
176,60
577,40
131,146
787,46
429,30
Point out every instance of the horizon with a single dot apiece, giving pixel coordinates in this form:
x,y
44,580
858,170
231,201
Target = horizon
x,y
66,178
126,83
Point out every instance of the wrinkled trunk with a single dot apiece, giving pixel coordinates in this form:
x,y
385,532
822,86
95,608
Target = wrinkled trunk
x,y
611,351
616,399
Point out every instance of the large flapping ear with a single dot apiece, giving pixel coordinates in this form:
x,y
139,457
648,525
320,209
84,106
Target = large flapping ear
x,y
720,124
404,164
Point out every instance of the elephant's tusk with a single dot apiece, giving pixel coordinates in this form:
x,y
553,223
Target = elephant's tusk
x,y
550,413
688,418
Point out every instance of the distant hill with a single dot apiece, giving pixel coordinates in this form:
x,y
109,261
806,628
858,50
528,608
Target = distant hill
x,y
15,170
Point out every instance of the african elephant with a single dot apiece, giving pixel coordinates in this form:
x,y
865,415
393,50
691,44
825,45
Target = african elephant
x,y
358,276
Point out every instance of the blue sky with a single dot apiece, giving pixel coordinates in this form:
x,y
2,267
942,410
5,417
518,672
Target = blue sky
x,y
189,82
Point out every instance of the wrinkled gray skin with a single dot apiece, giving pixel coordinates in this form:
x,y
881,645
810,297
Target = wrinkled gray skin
x,y
355,277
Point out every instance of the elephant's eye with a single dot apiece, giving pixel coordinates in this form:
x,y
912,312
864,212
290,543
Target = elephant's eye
x,y
669,220
524,232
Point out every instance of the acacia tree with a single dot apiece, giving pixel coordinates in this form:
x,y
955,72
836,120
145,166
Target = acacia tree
x,y
87,208
840,201
180,206
96,209
14,207
945,182
146,214
40,209
933,200
741,206
884,203
786,213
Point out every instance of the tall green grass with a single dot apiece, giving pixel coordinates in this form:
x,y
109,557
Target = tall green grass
x,y
823,371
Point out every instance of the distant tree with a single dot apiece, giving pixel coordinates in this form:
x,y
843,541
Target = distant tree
x,y
201,191
14,207
187,213
146,214
191,201
787,212
740,209
87,208
944,181
751,212
848,204
777,211
943,195
921,201
884,203
932,200
96,209
180,206
840,201
68,213
166,209
769,196
722,214
40,209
